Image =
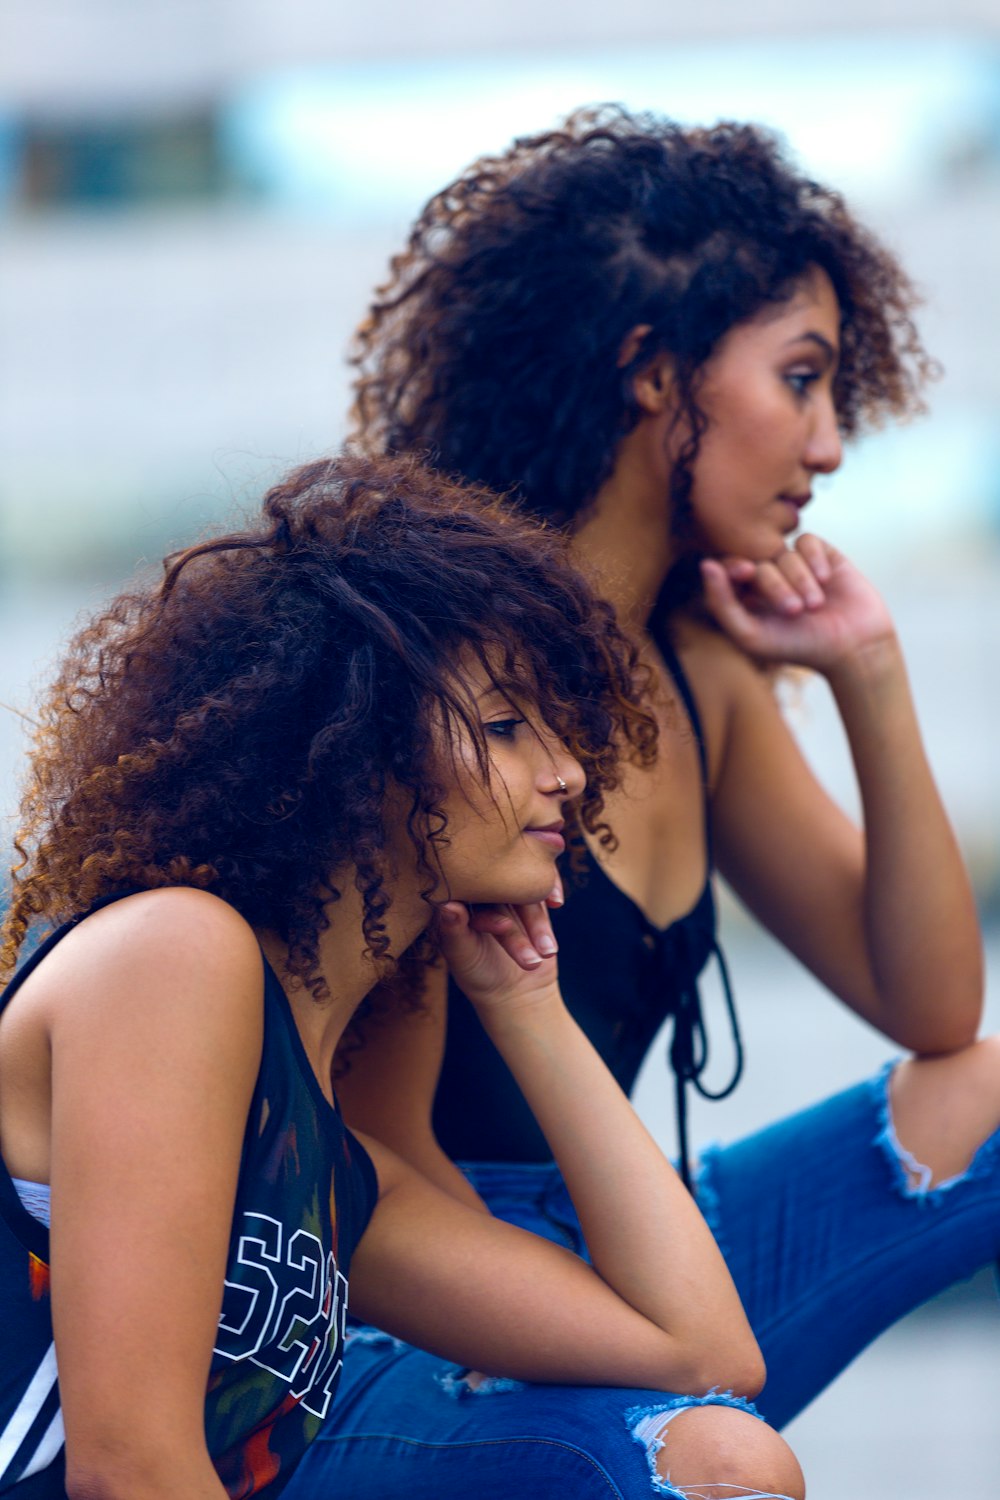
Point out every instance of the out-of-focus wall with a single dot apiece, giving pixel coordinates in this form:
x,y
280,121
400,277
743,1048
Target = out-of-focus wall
x,y
197,195
195,200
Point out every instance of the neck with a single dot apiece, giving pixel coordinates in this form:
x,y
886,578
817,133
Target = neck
x,y
349,971
624,541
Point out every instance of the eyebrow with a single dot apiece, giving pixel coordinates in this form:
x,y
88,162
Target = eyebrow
x,y
831,352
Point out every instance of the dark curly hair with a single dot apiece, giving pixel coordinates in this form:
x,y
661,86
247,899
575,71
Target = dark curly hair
x,y
494,346
236,725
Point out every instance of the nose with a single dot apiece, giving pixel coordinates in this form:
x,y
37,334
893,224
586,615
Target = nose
x,y
825,448
562,772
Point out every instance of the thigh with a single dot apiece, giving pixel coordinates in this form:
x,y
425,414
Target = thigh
x,y
829,1243
407,1423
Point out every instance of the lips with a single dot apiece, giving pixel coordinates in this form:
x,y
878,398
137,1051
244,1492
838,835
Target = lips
x,y
550,834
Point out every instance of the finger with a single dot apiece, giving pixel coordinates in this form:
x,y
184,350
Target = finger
x,y
491,919
796,571
556,896
463,949
724,607
776,591
538,927
453,915
738,569
818,554
505,925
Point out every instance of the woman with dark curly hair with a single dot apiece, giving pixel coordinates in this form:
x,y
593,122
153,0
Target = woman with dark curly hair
x,y
657,337
254,786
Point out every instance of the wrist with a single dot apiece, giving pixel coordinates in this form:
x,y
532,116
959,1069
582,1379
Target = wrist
x,y
516,1015
870,666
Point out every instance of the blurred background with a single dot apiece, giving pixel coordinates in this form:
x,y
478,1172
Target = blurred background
x,y
196,197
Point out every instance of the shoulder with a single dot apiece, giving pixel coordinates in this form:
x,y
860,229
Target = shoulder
x,y
170,954
177,925
725,682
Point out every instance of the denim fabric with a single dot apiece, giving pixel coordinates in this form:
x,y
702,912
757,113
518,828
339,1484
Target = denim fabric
x,y
828,1244
406,1423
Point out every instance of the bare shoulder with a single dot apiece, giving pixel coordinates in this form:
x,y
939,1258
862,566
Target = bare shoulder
x,y
724,680
170,947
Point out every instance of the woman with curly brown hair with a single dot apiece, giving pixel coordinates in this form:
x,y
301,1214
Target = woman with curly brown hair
x,y
254,788
657,337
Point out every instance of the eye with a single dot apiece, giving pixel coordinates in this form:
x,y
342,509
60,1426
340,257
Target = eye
x,y
502,729
801,380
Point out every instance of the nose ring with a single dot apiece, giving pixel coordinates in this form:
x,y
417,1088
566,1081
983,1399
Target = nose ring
x,y
561,784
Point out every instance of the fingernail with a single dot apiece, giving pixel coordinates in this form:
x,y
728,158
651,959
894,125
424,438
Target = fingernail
x,y
449,916
530,959
547,945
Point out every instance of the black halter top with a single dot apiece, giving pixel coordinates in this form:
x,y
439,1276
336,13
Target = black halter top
x,y
621,977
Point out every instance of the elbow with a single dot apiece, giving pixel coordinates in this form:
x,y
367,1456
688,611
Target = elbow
x,y
741,1373
92,1484
750,1377
943,1034
734,1365
123,1475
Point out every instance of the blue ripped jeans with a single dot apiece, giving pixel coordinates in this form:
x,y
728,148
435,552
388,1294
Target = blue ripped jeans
x,y
828,1245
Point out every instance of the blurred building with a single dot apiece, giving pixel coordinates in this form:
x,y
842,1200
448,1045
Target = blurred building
x,y
196,197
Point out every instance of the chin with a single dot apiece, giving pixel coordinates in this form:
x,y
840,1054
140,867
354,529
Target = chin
x,y
518,893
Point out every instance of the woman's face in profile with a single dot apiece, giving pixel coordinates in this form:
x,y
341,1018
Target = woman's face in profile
x,y
503,836
767,394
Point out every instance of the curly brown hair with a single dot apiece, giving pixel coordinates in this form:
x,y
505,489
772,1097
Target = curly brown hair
x,y
494,346
235,725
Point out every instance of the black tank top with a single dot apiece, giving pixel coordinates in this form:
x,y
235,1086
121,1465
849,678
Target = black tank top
x,y
621,977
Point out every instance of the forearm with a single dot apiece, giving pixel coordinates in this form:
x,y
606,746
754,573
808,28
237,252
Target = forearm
x,y
918,912
646,1237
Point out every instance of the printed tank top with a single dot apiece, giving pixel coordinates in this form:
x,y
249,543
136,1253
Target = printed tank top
x,y
305,1193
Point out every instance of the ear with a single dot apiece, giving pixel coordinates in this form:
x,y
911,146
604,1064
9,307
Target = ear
x,y
653,385
631,344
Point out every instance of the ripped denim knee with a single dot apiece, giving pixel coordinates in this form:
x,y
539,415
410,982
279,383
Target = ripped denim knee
x,y
913,1179
648,1426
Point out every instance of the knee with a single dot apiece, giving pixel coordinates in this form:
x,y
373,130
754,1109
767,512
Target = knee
x,y
943,1108
720,1453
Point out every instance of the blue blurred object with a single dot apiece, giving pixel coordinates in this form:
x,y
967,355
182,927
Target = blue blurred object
x,y
875,116
11,160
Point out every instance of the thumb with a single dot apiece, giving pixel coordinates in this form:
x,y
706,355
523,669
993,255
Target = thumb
x,y
462,947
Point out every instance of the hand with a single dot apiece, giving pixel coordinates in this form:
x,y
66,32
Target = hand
x,y
497,954
524,932
808,607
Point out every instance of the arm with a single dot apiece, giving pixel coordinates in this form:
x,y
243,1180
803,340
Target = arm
x,y
389,1086
388,1089
155,1034
658,1308
885,918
